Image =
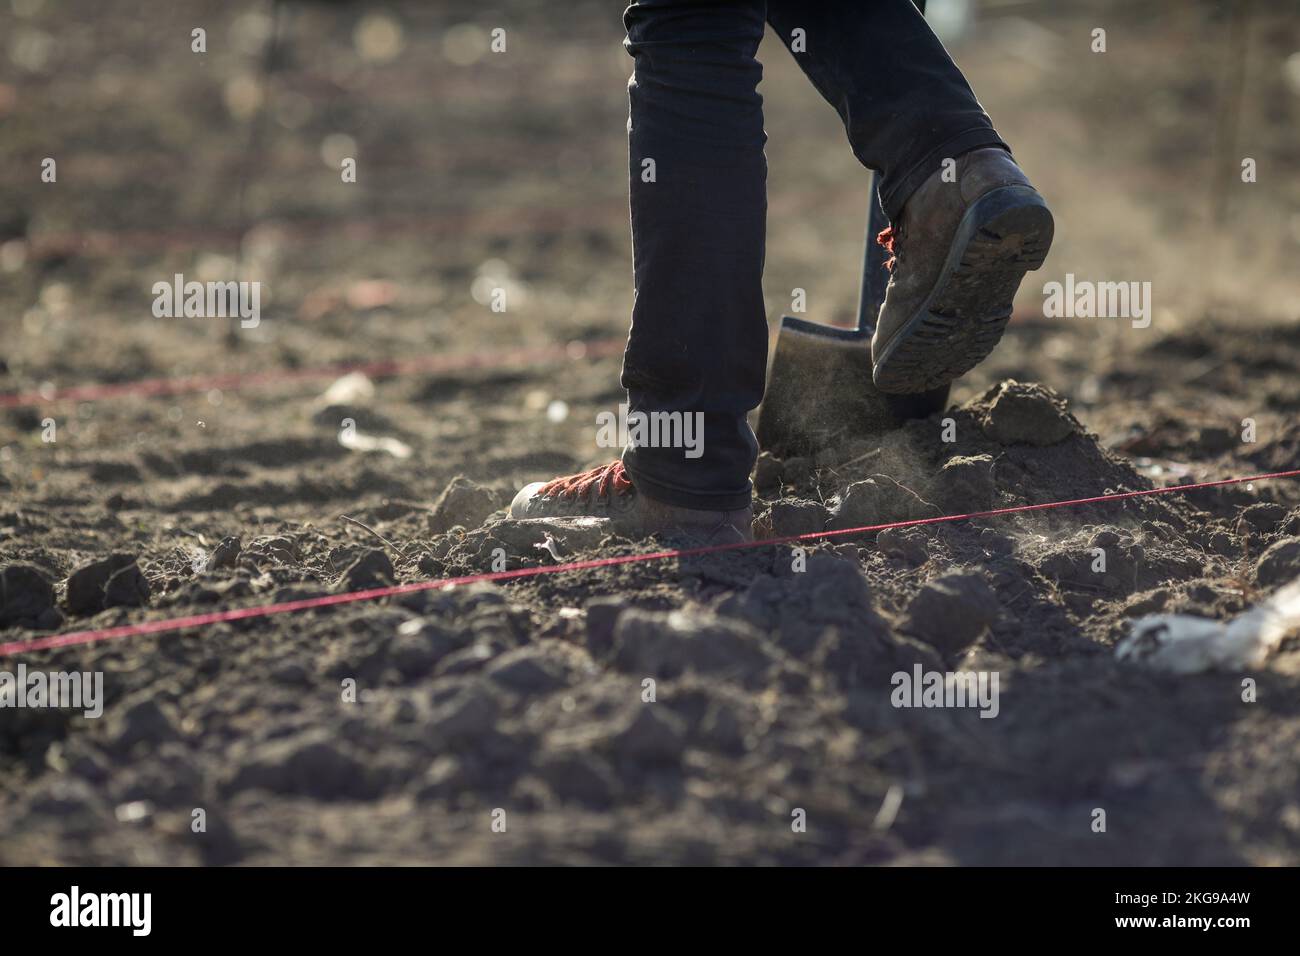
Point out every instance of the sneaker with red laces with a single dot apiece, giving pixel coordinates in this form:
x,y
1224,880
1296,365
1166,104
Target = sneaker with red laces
x,y
607,492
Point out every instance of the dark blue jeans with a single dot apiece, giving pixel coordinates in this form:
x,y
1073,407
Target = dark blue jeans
x,y
699,333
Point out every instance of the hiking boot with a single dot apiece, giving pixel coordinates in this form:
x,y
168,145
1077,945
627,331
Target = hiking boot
x,y
959,251
608,492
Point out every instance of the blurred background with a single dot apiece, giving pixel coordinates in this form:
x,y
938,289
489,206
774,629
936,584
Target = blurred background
x,y
478,170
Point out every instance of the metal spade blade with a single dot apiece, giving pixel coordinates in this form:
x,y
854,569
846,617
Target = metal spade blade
x,y
819,389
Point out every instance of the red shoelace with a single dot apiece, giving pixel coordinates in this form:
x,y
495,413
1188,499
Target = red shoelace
x,y
887,237
607,479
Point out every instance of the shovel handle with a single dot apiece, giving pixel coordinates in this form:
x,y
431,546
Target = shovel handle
x,y
874,277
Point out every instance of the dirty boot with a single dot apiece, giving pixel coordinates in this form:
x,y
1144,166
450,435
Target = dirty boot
x,y
959,250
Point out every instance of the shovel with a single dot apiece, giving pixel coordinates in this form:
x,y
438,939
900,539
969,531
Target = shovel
x,y
819,390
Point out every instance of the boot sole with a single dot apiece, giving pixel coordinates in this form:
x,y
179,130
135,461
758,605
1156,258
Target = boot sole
x,y
1003,235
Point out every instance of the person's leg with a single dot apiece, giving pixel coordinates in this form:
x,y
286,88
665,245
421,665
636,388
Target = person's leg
x,y
904,103
697,349
698,341
965,223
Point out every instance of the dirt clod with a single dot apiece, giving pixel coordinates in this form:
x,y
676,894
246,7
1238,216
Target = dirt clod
x,y
312,764
964,484
26,598
602,615
142,721
226,553
1025,413
373,569
791,516
667,645
463,502
470,714
652,736
951,612
115,581
534,669
767,472
1279,563
878,500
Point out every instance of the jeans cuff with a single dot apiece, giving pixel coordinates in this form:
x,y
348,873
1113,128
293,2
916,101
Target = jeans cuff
x,y
681,497
895,193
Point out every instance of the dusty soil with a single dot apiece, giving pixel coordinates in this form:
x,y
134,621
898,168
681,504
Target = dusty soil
x,y
772,686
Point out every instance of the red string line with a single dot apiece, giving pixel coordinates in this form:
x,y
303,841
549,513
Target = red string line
x,y
288,607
